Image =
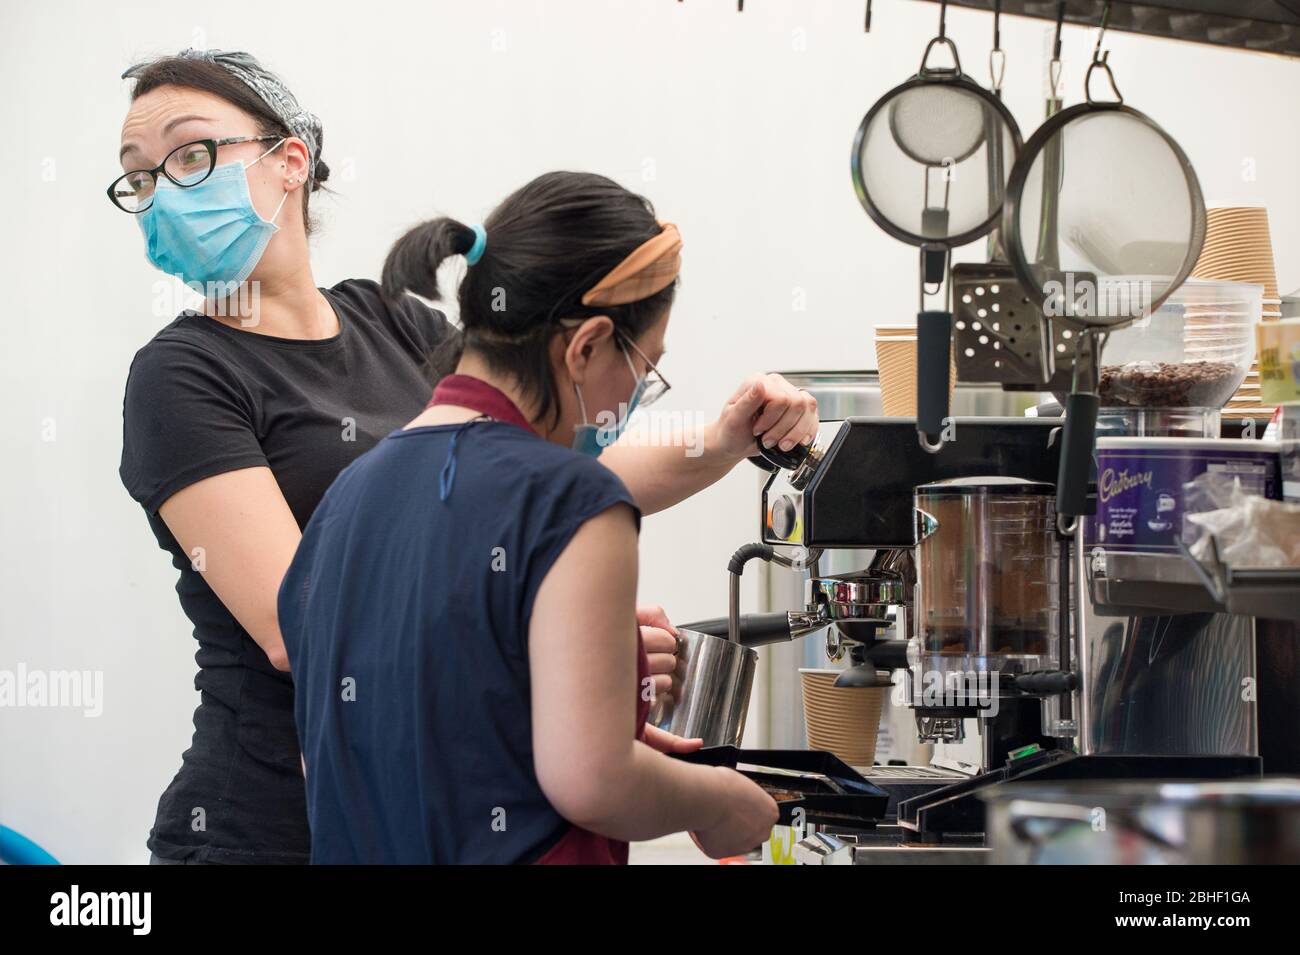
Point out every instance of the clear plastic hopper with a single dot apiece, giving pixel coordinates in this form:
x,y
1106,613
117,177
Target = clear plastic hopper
x,y
987,598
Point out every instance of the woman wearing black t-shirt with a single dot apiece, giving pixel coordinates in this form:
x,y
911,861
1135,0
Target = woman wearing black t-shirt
x,y
238,417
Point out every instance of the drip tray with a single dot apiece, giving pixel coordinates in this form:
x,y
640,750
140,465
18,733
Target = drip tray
x,y
907,782
878,774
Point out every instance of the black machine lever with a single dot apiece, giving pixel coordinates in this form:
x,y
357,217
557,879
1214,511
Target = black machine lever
x,y
1045,682
773,458
1078,466
933,358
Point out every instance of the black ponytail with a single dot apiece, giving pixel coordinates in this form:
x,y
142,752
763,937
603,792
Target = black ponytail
x,y
547,244
412,263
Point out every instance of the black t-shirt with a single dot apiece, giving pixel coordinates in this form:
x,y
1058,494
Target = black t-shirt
x,y
202,399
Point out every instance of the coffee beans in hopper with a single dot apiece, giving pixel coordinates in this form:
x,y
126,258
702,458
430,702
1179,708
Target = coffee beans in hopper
x,y
1150,384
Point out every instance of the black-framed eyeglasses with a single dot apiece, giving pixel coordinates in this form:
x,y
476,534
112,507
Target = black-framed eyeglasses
x,y
186,166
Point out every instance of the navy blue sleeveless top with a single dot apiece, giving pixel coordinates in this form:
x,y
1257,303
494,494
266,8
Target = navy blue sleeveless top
x,y
406,620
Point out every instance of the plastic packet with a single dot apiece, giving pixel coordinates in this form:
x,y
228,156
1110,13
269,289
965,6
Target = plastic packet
x,y
1250,531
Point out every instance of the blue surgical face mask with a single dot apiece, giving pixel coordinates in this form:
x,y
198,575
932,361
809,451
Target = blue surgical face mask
x,y
591,439
209,233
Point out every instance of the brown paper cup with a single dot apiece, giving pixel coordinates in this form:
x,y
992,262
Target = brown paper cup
x,y
896,363
842,720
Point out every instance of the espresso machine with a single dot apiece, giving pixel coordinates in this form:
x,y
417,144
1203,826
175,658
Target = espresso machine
x,y
985,619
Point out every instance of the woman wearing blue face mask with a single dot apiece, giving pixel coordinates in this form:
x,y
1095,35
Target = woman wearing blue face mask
x,y
239,415
469,583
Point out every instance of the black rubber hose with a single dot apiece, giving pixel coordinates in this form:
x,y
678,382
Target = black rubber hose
x,y
747,553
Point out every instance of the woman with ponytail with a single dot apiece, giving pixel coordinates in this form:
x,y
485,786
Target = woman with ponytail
x,y
470,583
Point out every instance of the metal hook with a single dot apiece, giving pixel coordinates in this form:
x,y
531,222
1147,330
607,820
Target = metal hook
x,y
997,59
866,26
1054,67
941,38
934,288
944,71
1101,31
1101,60
1104,66
997,70
930,447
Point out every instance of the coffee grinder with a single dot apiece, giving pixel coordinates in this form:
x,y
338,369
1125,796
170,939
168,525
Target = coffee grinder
x,y
971,600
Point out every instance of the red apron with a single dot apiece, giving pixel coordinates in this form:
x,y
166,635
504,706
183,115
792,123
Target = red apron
x,y
577,846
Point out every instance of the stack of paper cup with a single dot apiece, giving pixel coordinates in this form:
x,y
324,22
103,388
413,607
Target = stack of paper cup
x,y
896,364
1238,248
842,720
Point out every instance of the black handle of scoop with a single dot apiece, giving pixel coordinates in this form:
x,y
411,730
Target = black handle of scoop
x,y
770,459
1076,469
933,364
756,629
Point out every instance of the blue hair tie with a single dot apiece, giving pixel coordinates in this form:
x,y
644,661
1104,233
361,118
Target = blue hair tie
x,y
480,243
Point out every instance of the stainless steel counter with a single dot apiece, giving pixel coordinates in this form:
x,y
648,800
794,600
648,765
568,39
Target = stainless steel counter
x,y
884,846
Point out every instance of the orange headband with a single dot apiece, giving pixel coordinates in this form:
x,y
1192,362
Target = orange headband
x,y
651,267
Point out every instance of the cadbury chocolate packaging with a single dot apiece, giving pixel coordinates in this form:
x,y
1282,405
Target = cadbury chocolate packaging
x,y
1141,493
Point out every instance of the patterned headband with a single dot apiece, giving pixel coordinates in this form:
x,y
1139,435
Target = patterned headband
x,y
651,267
269,88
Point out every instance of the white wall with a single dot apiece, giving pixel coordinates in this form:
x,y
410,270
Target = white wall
x,y
737,126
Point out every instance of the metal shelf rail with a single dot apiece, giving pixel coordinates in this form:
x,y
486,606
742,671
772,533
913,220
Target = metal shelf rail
x,y
1262,26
